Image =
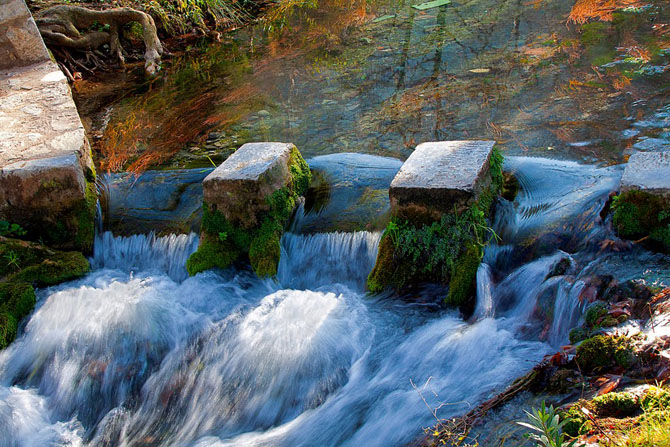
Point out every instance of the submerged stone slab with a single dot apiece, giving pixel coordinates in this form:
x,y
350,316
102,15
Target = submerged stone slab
x,y
239,187
439,177
46,170
648,172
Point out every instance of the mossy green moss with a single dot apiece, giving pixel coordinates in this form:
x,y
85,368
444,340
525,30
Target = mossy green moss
x,y
223,243
616,404
448,251
638,214
265,250
602,351
462,284
576,422
594,313
39,265
16,301
211,254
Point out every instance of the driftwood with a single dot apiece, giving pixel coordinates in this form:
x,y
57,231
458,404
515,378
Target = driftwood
x,y
455,431
61,27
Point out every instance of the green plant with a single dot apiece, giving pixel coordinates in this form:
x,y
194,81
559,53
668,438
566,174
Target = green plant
x,y
546,427
11,229
12,260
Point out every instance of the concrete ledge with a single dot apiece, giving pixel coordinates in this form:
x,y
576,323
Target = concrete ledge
x,y
439,177
649,172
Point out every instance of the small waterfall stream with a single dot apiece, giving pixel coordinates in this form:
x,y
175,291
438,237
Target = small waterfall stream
x,y
138,354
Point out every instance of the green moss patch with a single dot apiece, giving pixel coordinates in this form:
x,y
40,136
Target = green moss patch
x,y
16,301
638,214
224,243
39,265
447,251
616,405
601,352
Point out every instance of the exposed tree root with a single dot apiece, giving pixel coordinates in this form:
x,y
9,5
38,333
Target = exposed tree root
x,y
66,28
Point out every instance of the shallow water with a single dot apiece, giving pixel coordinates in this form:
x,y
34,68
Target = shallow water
x,y
134,354
335,80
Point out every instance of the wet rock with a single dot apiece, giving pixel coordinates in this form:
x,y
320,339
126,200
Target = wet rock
x,y
439,177
248,200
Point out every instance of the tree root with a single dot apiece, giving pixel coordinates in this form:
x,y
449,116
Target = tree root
x,y
60,27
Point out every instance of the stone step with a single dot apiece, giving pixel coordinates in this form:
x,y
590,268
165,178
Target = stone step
x,y
649,172
642,209
238,188
439,177
248,200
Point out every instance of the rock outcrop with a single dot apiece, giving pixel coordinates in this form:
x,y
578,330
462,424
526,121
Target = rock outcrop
x,y
248,200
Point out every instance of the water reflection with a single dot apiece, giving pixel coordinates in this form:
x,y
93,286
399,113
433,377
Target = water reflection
x,y
331,79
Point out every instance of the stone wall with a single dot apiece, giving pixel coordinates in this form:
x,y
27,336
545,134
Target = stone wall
x,y
46,170
20,40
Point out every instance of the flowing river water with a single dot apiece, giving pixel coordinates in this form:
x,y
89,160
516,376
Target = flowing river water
x,y
139,354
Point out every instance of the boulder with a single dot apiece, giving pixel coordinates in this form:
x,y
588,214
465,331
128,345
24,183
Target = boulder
x,y
248,200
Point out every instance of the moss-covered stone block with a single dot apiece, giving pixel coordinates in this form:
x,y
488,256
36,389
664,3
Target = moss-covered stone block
x,y
441,243
248,201
642,209
53,199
